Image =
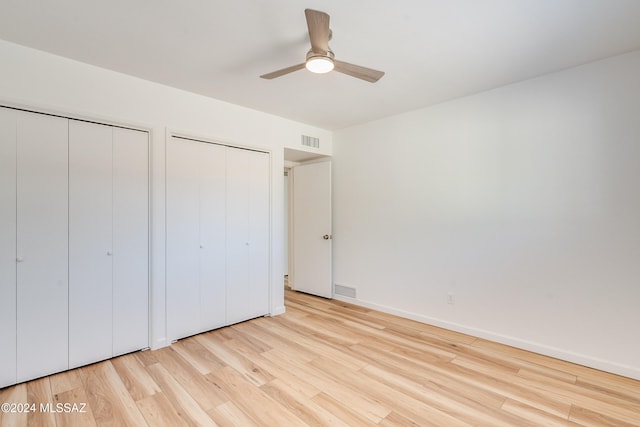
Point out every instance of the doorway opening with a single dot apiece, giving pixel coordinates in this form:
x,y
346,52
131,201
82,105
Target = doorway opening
x,y
307,227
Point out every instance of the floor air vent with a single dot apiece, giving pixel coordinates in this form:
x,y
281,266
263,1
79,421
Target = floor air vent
x,y
345,291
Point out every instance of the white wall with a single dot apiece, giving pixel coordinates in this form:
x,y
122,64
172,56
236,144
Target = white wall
x,y
523,202
47,82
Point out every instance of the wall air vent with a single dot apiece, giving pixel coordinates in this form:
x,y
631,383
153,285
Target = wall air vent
x,y
310,141
346,291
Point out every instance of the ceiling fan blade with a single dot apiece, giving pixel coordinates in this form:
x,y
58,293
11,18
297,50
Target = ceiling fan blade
x,y
282,72
318,25
357,71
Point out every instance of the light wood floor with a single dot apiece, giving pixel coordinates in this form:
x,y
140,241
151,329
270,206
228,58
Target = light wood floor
x,y
326,363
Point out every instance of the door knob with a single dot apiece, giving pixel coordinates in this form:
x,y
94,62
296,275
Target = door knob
x,y
109,253
326,237
19,259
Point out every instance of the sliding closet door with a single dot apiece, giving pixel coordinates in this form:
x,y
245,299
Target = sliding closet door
x,y
42,245
90,243
7,247
130,240
247,234
212,269
183,238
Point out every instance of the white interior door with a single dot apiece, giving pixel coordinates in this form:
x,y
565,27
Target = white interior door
x,y
312,229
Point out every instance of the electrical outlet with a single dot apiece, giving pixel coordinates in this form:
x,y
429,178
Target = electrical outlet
x,y
450,298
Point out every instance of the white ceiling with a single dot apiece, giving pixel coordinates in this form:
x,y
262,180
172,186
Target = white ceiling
x,y
431,50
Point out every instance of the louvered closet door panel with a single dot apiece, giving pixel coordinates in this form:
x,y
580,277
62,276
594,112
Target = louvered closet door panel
x,y
212,179
7,247
130,240
90,243
42,245
247,289
183,238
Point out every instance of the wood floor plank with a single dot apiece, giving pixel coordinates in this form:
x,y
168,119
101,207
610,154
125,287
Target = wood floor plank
x,y
587,417
158,411
252,400
330,330
612,388
14,395
319,344
327,362
182,401
535,415
499,354
298,384
84,417
39,391
396,420
135,377
197,355
462,406
607,404
253,344
229,415
146,357
506,386
65,381
365,405
235,359
419,411
345,412
539,359
109,399
416,370
301,406
206,394
283,338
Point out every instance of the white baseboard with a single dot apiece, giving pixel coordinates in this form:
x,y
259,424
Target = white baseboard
x,y
580,359
278,310
160,343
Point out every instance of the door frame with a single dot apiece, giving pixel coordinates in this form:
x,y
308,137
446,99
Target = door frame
x,y
289,166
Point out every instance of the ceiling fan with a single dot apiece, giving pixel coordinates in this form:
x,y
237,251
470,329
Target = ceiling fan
x,y
320,58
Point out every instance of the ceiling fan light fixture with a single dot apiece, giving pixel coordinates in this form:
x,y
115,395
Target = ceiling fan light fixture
x,y
319,63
